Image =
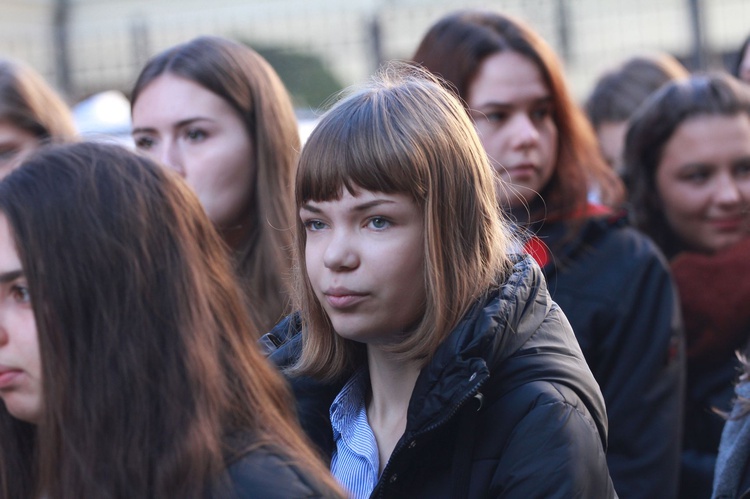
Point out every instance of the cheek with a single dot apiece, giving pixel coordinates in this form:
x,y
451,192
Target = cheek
x,y
549,138
313,263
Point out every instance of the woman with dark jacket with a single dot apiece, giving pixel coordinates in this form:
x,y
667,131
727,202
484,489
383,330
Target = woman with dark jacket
x,y
427,360
126,366
611,281
687,154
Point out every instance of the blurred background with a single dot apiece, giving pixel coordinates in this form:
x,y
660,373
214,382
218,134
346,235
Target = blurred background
x,y
86,47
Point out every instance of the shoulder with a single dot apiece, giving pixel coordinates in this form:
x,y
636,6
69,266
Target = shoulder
x,y
617,238
544,428
265,473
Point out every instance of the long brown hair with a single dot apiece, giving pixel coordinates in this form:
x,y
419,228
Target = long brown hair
x,y
152,379
404,133
456,46
242,78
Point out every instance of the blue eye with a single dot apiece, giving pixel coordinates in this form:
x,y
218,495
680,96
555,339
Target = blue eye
x,y
314,225
379,223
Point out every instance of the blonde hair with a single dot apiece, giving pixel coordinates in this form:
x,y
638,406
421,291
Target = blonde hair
x,y
404,133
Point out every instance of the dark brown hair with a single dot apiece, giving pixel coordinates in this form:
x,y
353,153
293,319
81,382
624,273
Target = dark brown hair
x,y
241,77
404,133
651,128
151,376
456,46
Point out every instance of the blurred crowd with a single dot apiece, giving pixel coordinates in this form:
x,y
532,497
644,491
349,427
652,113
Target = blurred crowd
x,y
459,281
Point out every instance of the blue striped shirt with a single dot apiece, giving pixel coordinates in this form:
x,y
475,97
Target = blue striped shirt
x,y
355,463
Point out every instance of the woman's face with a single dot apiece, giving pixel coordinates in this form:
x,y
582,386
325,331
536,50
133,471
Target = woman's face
x,y
199,135
365,261
20,364
703,181
15,144
512,110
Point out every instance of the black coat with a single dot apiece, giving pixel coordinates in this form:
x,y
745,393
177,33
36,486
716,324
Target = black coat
x,y
507,407
263,473
615,287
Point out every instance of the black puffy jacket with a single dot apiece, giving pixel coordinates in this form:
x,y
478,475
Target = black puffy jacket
x,y
615,288
506,408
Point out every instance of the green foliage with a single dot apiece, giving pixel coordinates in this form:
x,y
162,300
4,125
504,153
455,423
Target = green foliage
x,y
308,80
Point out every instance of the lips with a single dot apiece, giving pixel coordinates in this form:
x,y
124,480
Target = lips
x,y
728,224
8,376
343,298
521,170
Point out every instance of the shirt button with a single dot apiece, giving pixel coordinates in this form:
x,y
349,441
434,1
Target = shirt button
x,y
472,377
412,444
394,478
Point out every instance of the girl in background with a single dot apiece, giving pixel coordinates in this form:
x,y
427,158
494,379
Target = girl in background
x,y
687,154
128,366
216,112
611,281
428,360
619,92
31,114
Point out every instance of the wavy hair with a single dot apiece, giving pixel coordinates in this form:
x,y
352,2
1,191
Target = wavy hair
x,y
152,380
242,78
404,133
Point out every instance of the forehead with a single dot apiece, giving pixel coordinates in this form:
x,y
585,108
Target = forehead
x,y
359,197
170,98
708,139
507,77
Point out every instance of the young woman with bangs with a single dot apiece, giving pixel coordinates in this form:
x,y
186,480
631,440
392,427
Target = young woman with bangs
x,y
427,358
128,366
611,281
217,113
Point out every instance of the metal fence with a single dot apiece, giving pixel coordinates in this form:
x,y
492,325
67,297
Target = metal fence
x,y
85,46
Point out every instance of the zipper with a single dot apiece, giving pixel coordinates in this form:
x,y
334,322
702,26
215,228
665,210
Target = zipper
x,y
471,393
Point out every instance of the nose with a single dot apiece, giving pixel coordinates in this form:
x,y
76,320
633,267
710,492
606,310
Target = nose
x,y
341,253
525,132
728,192
169,154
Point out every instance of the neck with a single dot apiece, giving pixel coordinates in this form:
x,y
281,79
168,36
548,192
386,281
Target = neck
x,y
392,383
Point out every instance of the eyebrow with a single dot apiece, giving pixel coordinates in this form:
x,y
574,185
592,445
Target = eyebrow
x,y
359,207
7,277
179,124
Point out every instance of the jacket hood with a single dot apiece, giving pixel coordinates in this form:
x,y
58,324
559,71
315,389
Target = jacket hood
x,y
514,334
493,330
